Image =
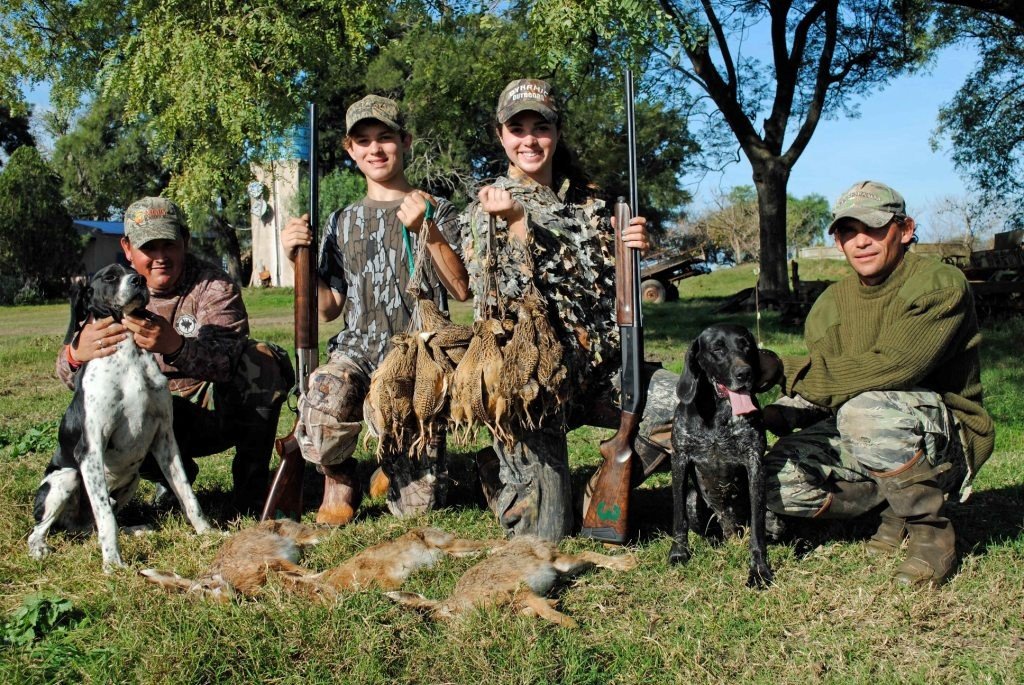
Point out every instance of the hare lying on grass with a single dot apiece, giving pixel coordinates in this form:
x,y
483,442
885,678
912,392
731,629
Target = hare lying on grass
x,y
244,561
518,574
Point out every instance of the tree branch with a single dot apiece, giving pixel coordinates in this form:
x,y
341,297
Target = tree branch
x,y
822,81
1010,9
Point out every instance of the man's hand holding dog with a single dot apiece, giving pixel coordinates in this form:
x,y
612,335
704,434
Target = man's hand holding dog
x,y
97,339
154,333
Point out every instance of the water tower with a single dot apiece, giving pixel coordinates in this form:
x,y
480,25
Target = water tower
x,y
271,201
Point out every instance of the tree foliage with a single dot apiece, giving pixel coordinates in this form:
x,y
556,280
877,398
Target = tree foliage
x,y
731,224
983,121
14,131
38,244
107,164
823,53
807,219
210,80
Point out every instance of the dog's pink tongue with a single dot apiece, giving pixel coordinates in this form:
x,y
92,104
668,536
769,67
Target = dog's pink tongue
x,y
741,402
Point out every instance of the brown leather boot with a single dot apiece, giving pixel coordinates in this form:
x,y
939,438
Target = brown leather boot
x,y
379,483
889,536
342,494
488,467
914,495
849,499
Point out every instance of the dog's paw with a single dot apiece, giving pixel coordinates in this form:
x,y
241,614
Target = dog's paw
x,y
38,549
761,577
113,565
679,554
203,527
137,531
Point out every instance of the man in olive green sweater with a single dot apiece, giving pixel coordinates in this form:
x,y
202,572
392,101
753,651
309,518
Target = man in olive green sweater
x,y
889,399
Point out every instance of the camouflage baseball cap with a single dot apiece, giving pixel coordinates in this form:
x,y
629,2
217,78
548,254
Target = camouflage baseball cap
x,y
153,218
871,202
384,110
528,95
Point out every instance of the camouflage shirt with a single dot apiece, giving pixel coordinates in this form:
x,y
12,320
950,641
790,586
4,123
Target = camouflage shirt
x,y
366,255
568,258
207,309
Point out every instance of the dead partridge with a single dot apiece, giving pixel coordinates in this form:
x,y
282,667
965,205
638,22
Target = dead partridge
x,y
389,402
429,394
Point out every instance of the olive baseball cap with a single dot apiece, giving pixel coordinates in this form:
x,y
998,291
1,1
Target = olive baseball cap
x,y
528,95
153,218
871,202
382,109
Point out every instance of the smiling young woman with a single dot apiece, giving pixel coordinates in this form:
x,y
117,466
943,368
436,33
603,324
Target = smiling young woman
x,y
542,231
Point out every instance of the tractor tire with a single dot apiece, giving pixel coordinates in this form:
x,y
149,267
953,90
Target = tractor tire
x,y
652,291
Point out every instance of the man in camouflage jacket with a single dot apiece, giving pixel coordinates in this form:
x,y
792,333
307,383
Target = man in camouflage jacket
x,y
227,388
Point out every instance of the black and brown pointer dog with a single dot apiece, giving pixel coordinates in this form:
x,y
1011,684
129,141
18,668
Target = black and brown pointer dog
x,y
121,410
719,432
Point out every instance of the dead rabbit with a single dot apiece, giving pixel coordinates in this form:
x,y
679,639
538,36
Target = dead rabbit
x,y
244,561
518,574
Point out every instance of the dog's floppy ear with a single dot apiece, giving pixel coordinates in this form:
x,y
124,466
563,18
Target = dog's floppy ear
x,y
771,370
80,295
687,387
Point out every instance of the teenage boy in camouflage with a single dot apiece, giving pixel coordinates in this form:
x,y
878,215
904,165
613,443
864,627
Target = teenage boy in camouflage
x,y
889,399
364,268
227,388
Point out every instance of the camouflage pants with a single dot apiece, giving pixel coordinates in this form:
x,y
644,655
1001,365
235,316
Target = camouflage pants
x,y
534,495
241,413
876,431
331,419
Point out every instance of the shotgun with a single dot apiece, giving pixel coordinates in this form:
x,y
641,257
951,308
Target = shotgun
x,y
284,499
607,515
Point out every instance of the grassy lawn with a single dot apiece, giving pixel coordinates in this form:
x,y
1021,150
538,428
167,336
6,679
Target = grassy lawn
x,y
833,615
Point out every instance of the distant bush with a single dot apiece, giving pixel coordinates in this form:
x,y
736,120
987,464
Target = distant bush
x,y
39,248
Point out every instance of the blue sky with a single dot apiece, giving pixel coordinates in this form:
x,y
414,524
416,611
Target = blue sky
x,y
889,142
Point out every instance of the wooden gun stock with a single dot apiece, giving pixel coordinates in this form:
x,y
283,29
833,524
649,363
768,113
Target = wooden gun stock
x,y
285,500
607,516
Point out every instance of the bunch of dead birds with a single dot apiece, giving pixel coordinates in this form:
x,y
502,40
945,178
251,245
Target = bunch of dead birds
x,y
503,373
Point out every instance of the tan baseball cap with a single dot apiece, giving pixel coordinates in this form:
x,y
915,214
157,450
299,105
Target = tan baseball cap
x,y
153,218
528,95
871,202
382,109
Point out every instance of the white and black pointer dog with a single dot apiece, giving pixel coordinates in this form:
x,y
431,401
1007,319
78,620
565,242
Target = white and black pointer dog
x,y
121,410
719,432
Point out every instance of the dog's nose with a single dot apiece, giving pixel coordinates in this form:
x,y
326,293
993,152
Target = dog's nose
x,y
137,280
742,374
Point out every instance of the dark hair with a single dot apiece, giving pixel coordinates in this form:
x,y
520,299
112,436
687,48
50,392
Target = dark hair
x,y
566,164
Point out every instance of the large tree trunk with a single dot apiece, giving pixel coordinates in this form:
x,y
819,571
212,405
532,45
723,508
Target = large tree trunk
x,y
770,179
232,250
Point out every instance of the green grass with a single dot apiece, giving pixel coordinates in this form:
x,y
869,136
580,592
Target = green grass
x,y
833,616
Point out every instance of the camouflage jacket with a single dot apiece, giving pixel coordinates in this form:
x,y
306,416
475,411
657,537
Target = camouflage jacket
x,y
569,259
207,309
366,255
